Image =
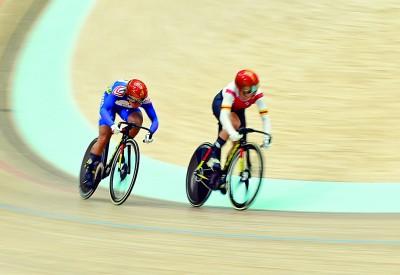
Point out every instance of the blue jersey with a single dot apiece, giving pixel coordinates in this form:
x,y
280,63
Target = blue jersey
x,y
115,101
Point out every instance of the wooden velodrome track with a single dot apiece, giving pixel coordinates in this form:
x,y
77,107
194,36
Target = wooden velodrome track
x,y
333,105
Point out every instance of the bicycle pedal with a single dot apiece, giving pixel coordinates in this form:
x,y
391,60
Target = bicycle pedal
x,y
214,181
222,188
214,164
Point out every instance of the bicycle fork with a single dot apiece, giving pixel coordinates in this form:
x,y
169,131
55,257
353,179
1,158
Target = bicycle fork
x,y
121,157
244,173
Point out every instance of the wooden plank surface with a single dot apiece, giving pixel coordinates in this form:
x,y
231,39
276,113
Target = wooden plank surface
x,y
47,229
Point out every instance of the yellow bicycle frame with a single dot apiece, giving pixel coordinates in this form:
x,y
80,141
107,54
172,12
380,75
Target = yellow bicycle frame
x,y
230,156
234,149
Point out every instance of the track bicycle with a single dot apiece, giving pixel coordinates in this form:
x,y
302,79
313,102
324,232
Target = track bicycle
x,y
241,175
122,167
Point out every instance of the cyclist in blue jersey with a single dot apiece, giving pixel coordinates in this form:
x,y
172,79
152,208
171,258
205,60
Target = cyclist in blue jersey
x,y
123,98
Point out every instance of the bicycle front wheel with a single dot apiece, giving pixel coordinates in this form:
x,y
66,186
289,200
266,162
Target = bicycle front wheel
x,y
245,175
124,171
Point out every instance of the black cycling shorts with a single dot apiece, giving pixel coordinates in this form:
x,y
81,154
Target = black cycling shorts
x,y
216,108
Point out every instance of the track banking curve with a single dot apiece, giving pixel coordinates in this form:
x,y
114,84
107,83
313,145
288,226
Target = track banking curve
x,y
277,194
47,229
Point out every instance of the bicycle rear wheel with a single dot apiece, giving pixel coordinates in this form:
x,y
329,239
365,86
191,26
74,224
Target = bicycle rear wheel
x,y
124,171
196,190
84,191
245,176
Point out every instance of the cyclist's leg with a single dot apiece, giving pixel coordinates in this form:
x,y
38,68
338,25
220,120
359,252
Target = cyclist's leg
x,y
98,148
214,161
95,153
238,120
104,135
132,116
103,139
242,118
222,134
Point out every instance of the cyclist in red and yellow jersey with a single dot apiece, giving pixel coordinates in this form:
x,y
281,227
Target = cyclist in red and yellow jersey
x,y
229,107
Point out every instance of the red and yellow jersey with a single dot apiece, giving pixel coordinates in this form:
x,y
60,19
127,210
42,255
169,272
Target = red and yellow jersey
x,y
232,99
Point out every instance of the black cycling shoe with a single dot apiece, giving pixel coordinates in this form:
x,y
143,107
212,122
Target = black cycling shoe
x,y
222,184
88,180
222,188
214,162
213,181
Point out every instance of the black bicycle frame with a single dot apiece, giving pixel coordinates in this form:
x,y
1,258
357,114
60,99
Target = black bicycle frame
x,y
121,146
238,146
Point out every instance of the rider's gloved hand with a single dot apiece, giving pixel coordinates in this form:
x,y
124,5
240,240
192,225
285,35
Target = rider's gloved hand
x,y
235,136
147,138
115,129
267,142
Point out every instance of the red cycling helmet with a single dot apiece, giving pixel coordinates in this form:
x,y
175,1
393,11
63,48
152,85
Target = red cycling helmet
x,y
247,78
136,91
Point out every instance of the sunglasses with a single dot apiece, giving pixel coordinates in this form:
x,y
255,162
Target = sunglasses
x,y
135,100
250,90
